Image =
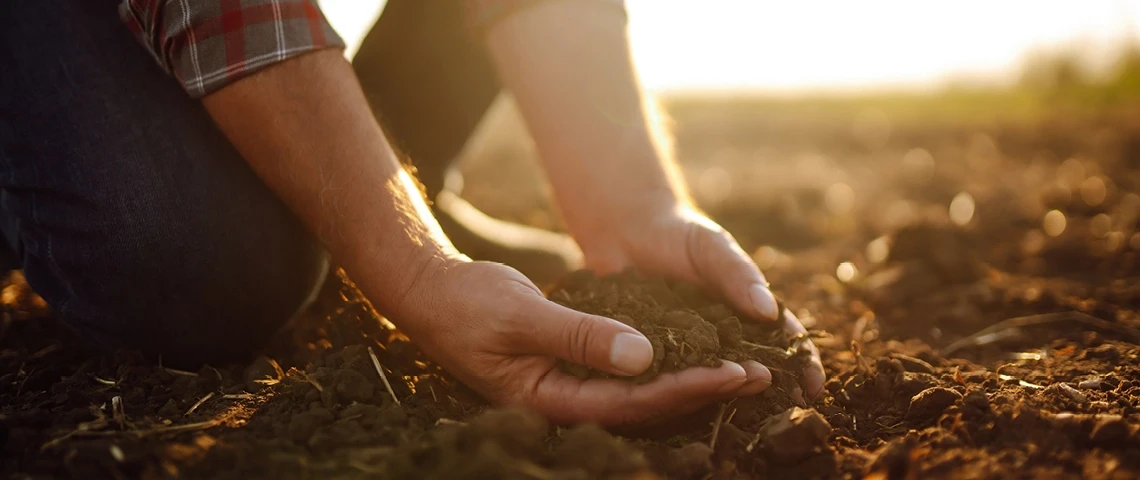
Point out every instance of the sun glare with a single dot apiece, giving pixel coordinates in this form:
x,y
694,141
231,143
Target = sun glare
x,y
832,44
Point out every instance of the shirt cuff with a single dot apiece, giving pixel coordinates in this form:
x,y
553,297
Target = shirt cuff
x,y
207,45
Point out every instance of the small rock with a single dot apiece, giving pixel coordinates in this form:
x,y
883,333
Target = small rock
x,y
931,402
262,372
976,399
702,337
910,383
1110,430
1106,351
1064,390
893,460
352,386
729,331
912,364
1089,383
794,434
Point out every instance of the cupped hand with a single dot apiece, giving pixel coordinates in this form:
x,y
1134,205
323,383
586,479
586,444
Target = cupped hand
x,y
679,242
493,329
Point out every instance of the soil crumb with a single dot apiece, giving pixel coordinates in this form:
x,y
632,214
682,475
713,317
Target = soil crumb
x,y
686,327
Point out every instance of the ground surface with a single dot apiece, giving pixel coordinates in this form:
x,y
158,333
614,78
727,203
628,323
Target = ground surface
x,y
972,331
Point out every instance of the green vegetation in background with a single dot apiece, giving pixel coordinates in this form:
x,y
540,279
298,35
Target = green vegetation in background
x,y
1050,82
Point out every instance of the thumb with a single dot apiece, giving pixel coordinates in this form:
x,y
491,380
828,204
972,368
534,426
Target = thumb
x,y
720,262
590,340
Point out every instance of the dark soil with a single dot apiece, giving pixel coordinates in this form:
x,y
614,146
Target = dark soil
x,y
986,349
686,327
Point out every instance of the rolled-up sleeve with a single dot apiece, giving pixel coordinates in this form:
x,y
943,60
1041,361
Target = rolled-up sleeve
x,y
208,44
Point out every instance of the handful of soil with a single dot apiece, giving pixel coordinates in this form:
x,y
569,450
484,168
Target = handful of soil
x,y
686,327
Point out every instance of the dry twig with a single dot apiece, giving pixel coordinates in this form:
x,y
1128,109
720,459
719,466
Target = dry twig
x,y
199,403
384,378
314,383
104,381
716,425
174,371
89,430
237,396
1009,327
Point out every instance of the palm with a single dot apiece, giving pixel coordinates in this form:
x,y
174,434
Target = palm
x,y
686,245
492,328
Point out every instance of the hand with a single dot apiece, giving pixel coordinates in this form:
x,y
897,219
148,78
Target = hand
x,y
679,242
492,328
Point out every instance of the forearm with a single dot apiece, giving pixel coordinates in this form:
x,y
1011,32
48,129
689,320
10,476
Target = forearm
x,y
305,128
569,67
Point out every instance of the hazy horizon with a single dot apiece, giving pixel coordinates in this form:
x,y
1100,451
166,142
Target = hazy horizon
x,y
822,45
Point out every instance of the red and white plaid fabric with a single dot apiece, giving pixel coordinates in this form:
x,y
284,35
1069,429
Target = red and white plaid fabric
x,y
207,44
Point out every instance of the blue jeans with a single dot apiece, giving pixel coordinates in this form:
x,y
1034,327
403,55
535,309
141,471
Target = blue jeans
x,y
128,210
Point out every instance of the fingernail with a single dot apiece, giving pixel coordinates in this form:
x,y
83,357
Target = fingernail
x,y
763,300
757,372
739,376
631,353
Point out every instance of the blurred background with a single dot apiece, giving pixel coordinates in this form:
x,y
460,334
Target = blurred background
x,y
829,45
825,128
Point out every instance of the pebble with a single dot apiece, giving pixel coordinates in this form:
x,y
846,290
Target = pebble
x,y
261,373
795,433
1067,391
911,383
353,386
1091,383
931,402
1109,430
729,331
702,336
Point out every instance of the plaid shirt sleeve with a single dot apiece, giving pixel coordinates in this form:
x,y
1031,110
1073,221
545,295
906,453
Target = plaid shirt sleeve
x,y
208,44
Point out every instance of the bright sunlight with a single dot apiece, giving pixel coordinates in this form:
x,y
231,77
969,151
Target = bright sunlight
x,y
828,44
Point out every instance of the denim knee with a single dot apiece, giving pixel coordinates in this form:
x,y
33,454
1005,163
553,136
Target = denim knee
x,y
131,213
172,281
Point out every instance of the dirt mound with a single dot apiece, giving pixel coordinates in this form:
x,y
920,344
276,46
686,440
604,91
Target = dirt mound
x,y
992,347
686,327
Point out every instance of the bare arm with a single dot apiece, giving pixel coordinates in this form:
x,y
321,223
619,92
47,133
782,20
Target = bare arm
x,y
568,64
305,128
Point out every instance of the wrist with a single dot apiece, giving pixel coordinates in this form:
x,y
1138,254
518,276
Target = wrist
x,y
400,246
395,283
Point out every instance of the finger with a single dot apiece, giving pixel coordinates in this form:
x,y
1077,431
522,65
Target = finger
x,y
814,376
720,261
611,402
759,379
590,340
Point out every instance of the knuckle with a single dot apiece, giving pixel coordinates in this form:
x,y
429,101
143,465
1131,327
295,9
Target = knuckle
x,y
578,335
